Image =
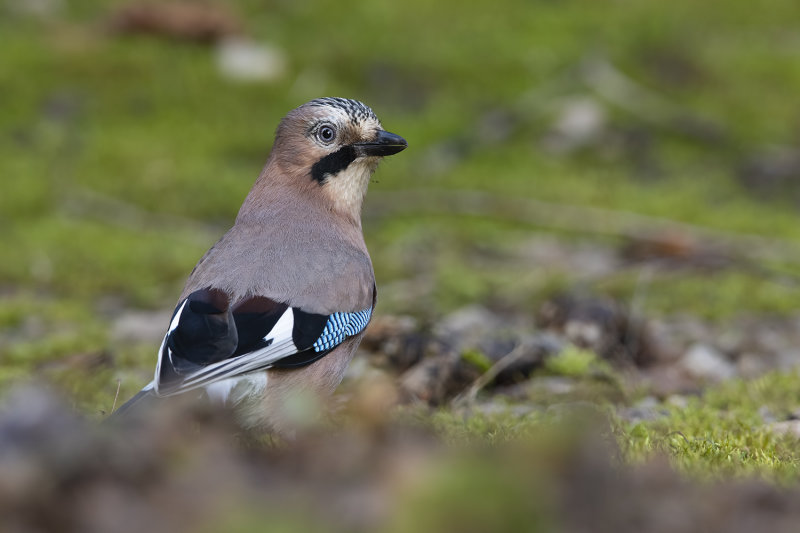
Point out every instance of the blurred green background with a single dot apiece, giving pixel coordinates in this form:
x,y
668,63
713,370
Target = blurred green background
x,y
127,146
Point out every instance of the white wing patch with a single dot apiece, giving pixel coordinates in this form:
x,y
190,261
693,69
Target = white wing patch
x,y
232,378
173,325
283,328
280,346
177,318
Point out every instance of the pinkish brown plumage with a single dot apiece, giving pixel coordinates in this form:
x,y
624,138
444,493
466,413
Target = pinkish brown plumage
x,y
276,308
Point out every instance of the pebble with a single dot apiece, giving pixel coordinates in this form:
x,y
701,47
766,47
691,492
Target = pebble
x,y
786,427
243,60
704,362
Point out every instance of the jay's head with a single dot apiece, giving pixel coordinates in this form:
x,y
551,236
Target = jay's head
x,y
332,146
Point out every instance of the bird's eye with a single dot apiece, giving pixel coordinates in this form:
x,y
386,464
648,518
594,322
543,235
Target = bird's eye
x,y
326,134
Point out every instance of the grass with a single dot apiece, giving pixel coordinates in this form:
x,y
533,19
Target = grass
x,y
723,433
124,158
720,435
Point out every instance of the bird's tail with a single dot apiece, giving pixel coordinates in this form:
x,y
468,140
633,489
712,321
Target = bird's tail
x,y
137,406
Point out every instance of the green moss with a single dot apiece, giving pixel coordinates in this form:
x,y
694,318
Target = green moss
x,y
723,433
151,124
248,519
719,435
477,359
124,158
732,293
574,361
471,427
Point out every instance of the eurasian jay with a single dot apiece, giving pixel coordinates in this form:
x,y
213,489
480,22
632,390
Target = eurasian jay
x,y
278,306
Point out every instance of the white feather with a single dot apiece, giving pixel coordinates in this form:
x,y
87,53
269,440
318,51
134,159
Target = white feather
x,y
283,328
234,390
221,372
173,325
177,318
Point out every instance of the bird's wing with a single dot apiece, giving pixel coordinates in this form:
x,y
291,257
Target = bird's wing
x,y
210,340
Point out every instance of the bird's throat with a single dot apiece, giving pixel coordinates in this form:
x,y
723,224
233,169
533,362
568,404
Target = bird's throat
x,y
346,190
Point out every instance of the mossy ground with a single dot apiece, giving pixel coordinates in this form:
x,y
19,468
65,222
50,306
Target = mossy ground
x,y
124,157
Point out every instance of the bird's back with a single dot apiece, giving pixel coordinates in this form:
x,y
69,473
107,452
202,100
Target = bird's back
x,y
301,262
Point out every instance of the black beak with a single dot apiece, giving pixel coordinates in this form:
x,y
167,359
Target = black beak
x,y
385,143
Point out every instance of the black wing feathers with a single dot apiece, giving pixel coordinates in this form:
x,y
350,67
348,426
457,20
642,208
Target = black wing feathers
x,y
307,328
206,332
210,339
210,330
254,318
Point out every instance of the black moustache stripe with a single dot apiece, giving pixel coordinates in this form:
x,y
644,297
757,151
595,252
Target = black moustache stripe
x,y
332,164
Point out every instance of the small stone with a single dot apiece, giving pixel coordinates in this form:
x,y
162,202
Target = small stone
x,y
647,402
648,408
752,365
641,414
552,385
468,325
668,379
677,400
394,342
581,122
786,427
576,411
243,60
491,408
788,359
767,415
599,324
432,379
704,362
666,345
36,8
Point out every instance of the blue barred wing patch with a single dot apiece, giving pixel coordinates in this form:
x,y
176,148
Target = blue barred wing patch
x,y
340,326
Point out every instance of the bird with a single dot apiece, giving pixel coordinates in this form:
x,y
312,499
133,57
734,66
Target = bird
x,y
277,307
